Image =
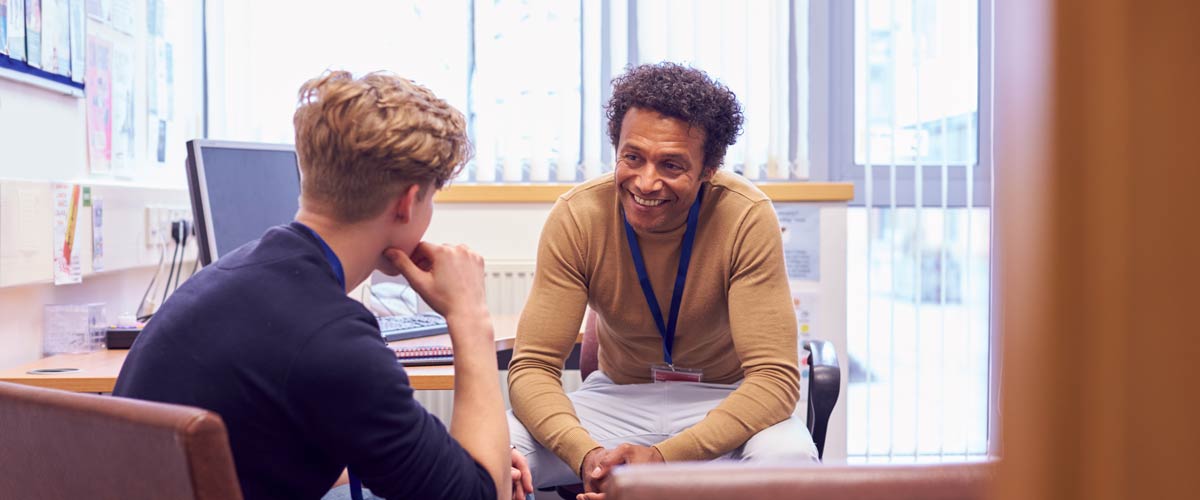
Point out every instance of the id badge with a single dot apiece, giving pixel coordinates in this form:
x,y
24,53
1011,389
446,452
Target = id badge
x,y
667,373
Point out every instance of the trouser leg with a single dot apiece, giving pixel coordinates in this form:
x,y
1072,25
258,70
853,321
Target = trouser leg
x,y
611,413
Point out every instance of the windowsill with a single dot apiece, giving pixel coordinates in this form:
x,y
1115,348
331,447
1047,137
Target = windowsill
x,y
547,193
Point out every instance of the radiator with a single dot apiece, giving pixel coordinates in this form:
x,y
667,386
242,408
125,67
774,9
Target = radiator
x,y
507,285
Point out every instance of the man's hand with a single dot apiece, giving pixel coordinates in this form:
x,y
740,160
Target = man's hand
x,y
448,278
522,481
598,463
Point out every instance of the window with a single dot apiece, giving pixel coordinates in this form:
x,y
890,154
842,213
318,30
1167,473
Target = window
x,y
531,76
913,137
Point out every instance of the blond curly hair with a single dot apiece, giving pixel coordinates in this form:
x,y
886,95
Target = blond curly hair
x,y
362,141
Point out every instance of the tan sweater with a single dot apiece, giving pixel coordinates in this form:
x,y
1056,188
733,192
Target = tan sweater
x,y
736,320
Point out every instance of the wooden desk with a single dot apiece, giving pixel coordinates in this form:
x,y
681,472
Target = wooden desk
x,y
98,370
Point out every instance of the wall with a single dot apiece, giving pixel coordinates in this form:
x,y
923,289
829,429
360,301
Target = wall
x,y
43,139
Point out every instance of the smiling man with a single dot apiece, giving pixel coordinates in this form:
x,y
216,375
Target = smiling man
x,y
683,265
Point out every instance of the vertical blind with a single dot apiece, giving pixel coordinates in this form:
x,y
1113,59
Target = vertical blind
x,y
918,271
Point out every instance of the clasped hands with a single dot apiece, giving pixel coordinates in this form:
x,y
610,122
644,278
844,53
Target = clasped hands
x,y
598,464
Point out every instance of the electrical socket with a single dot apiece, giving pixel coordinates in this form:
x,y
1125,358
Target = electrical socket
x,y
158,222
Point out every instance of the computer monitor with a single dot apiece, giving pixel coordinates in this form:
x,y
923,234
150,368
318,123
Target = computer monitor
x,y
239,190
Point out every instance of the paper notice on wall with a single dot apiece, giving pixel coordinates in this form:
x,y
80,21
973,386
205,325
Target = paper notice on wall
x,y
801,226
122,15
98,91
97,234
67,204
16,29
56,37
78,40
33,33
4,27
123,128
806,305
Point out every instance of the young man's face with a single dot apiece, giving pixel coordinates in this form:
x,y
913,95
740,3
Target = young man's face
x,y
659,171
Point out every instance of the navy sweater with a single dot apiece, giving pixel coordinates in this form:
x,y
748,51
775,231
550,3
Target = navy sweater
x,y
299,372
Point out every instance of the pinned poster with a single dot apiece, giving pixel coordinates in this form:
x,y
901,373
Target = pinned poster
x,y
123,121
801,226
16,29
33,32
78,40
98,91
806,304
56,37
3,27
67,204
97,234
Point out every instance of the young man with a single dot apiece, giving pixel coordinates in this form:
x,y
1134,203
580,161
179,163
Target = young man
x,y
267,337
683,265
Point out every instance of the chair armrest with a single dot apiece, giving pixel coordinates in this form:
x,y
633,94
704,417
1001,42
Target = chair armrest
x,y
824,387
748,481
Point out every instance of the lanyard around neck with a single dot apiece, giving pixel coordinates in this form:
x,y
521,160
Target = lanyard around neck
x,y
330,257
666,329
336,263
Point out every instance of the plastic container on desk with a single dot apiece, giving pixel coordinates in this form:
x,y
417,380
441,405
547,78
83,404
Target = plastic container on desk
x,y
73,328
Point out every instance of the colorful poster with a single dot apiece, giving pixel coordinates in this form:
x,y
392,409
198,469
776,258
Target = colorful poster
x,y
16,29
78,40
33,32
122,107
67,268
56,37
98,90
801,226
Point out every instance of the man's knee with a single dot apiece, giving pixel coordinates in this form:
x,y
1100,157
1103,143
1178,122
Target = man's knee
x,y
788,440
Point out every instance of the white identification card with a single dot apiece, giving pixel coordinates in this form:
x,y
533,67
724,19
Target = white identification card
x,y
668,373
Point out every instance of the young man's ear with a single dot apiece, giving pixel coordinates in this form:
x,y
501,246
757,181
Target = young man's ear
x,y
407,201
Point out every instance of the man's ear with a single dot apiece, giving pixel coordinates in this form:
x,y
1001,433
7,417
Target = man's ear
x,y
708,172
404,205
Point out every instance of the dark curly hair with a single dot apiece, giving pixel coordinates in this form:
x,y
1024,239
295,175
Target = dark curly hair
x,y
679,92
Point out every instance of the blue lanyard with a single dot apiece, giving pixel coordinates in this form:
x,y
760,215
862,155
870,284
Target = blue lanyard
x,y
336,264
330,257
666,330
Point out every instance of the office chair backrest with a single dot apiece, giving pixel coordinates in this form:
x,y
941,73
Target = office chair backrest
x,y
61,445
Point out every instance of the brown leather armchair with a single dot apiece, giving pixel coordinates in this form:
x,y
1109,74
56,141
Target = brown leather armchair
x,y
748,481
59,445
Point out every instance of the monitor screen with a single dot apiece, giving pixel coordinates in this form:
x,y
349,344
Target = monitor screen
x,y
239,190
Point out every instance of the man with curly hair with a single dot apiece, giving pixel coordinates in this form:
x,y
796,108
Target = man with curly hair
x,y
682,264
267,338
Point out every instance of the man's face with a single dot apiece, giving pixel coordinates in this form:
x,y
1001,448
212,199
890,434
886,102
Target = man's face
x,y
660,169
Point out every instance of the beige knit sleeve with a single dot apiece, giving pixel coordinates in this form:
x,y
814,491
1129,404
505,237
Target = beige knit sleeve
x,y
763,325
546,334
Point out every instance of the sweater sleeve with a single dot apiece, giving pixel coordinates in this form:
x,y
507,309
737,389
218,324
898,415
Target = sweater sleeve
x,y
763,325
353,399
546,334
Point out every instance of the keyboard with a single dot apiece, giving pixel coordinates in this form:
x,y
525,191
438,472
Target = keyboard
x,y
422,355
395,328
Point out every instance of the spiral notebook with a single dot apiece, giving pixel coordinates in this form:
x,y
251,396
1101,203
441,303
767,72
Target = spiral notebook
x,y
423,355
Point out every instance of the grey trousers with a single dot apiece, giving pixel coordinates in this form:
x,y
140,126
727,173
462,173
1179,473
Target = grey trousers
x,y
645,414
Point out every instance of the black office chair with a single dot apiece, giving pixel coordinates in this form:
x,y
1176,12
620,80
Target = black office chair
x,y
824,386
